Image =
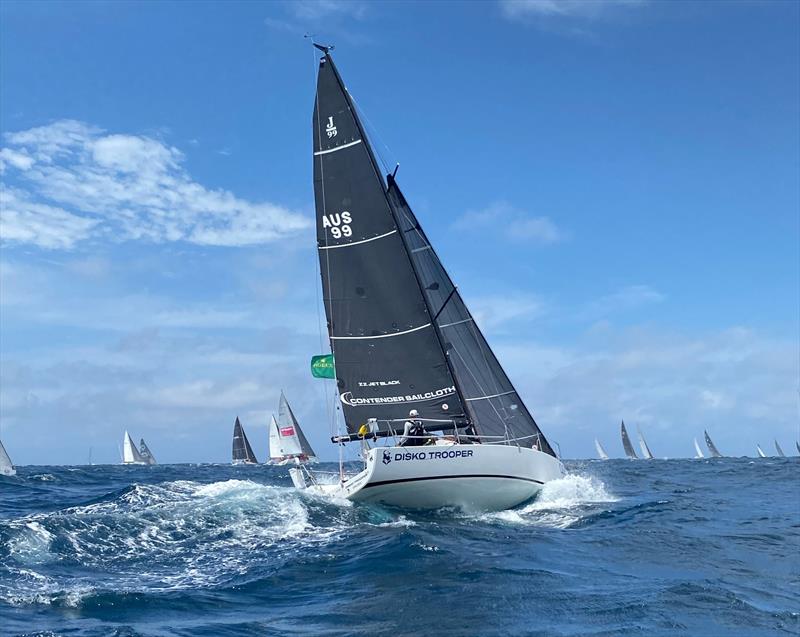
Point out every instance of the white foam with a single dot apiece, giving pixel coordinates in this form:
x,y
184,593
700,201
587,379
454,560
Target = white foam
x,y
560,504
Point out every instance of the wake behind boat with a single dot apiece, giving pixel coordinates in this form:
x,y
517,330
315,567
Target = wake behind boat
x,y
6,468
413,370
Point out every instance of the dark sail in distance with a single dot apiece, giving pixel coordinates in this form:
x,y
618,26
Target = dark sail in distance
x,y
711,447
397,325
779,450
626,442
242,451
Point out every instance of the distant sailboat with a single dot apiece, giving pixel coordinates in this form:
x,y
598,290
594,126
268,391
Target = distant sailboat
x,y
626,443
287,443
797,444
779,450
242,451
600,451
145,452
6,468
648,455
711,447
698,453
130,454
760,451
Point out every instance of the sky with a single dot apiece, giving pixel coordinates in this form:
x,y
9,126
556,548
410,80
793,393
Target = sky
x,y
614,186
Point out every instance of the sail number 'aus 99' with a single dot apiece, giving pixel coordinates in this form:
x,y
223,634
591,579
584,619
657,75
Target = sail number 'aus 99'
x,y
339,224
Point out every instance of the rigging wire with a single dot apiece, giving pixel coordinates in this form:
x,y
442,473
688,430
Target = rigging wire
x,y
334,421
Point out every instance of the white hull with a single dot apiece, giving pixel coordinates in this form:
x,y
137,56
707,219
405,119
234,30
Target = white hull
x,y
470,477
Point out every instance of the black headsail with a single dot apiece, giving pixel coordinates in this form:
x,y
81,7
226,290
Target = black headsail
x,y
492,402
626,442
402,337
242,451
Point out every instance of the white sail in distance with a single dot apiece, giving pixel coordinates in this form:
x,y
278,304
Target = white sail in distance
x,y
646,453
130,454
698,452
6,468
760,451
601,453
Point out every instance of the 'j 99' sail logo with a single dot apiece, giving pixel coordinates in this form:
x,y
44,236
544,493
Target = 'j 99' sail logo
x,y
339,224
330,129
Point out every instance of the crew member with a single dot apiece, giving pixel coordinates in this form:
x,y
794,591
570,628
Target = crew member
x,y
413,431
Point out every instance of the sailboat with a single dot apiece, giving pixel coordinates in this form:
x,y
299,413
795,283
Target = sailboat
x,y
797,444
130,454
145,452
779,450
760,451
242,451
626,443
646,453
601,453
405,345
712,449
287,442
6,468
698,453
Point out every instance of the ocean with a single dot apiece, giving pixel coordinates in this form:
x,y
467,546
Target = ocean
x,y
646,548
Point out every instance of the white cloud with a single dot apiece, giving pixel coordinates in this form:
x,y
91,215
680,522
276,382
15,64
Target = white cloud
x,y
513,224
322,10
623,300
83,183
581,9
492,312
23,221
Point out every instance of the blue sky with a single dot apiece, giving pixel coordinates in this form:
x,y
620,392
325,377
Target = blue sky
x,y
613,185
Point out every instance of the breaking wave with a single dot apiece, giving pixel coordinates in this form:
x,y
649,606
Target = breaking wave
x,y
170,536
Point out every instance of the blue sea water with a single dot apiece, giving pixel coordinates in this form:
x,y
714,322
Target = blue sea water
x,y
663,547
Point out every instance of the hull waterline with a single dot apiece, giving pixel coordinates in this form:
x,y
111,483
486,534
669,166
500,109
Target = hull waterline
x,y
468,477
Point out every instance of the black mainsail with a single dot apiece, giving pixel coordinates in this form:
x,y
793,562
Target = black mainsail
x,y
401,335
711,447
779,450
626,442
242,451
145,452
